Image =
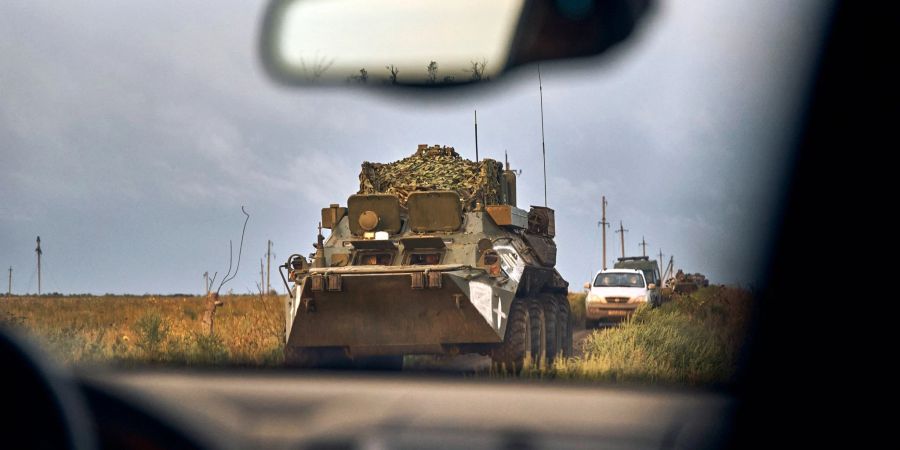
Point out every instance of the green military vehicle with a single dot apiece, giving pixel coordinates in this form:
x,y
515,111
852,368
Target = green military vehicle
x,y
431,256
650,267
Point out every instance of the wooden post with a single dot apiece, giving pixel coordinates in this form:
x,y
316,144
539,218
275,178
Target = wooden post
x,y
39,253
269,267
603,225
622,232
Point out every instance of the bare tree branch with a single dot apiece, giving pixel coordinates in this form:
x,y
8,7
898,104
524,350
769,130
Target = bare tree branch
x,y
394,70
230,276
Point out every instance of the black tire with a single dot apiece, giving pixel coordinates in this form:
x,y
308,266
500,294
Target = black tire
x,y
379,363
516,346
538,331
550,319
564,325
316,358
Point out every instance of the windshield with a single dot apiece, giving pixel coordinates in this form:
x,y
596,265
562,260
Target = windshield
x,y
189,208
619,280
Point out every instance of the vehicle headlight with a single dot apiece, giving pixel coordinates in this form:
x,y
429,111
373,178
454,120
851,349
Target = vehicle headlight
x,y
595,298
639,299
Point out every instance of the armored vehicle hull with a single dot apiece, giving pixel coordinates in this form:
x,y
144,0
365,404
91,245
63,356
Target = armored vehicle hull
x,y
429,272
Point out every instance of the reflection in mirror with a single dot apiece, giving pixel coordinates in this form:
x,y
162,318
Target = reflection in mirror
x,y
390,41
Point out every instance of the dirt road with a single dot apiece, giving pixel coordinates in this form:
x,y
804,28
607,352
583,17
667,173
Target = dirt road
x,y
474,363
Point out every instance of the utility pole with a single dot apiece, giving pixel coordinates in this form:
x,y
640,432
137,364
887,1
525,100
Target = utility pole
x,y
39,253
603,225
660,256
9,290
262,276
622,232
643,244
269,267
206,281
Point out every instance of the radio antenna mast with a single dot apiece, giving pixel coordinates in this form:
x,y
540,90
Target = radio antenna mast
x,y
543,146
476,135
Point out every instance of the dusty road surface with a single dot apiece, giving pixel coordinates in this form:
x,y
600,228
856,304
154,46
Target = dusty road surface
x,y
474,363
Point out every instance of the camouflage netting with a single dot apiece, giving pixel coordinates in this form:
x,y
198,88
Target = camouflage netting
x,y
432,169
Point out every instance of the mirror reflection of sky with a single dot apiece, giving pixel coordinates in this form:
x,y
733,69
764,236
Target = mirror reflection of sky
x,y
347,35
132,132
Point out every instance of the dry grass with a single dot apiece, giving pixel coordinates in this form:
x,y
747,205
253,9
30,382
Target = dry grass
x,y
129,330
694,339
576,308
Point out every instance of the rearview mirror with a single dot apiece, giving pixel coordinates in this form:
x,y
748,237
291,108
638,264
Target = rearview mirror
x,y
432,42
587,285
651,286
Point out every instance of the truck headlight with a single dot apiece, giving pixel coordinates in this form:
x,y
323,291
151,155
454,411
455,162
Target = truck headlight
x,y
639,299
595,298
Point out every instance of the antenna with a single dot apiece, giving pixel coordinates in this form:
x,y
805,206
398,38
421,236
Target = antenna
x,y
476,135
543,146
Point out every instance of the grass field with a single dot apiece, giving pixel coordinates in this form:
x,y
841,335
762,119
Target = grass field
x,y
129,330
693,339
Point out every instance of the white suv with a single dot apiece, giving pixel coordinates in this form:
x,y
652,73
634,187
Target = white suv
x,y
616,293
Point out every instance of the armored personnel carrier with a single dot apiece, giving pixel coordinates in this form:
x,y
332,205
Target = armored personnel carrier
x,y
431,256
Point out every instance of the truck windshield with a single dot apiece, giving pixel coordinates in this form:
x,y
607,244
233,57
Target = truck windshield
x,y
619,280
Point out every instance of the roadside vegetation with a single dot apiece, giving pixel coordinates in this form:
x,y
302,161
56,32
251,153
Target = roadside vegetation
x,y
693,339
151,330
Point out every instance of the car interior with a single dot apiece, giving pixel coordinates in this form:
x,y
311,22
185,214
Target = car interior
x,y
49,406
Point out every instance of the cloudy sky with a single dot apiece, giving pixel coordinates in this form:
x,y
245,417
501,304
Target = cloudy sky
x,y
132,132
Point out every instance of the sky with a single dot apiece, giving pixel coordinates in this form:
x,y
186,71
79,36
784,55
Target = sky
x,y
131,133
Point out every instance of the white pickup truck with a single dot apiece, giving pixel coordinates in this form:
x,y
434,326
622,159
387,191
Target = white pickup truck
x,y
616,293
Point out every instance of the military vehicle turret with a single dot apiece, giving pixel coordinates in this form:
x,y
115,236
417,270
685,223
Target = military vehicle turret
x,y
431,256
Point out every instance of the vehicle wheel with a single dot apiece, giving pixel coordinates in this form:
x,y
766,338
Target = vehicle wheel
x,y
564,325
550,320
385,363
516,346
538,332
316,358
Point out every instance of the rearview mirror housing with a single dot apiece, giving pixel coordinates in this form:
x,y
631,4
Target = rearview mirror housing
x,y
432,43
